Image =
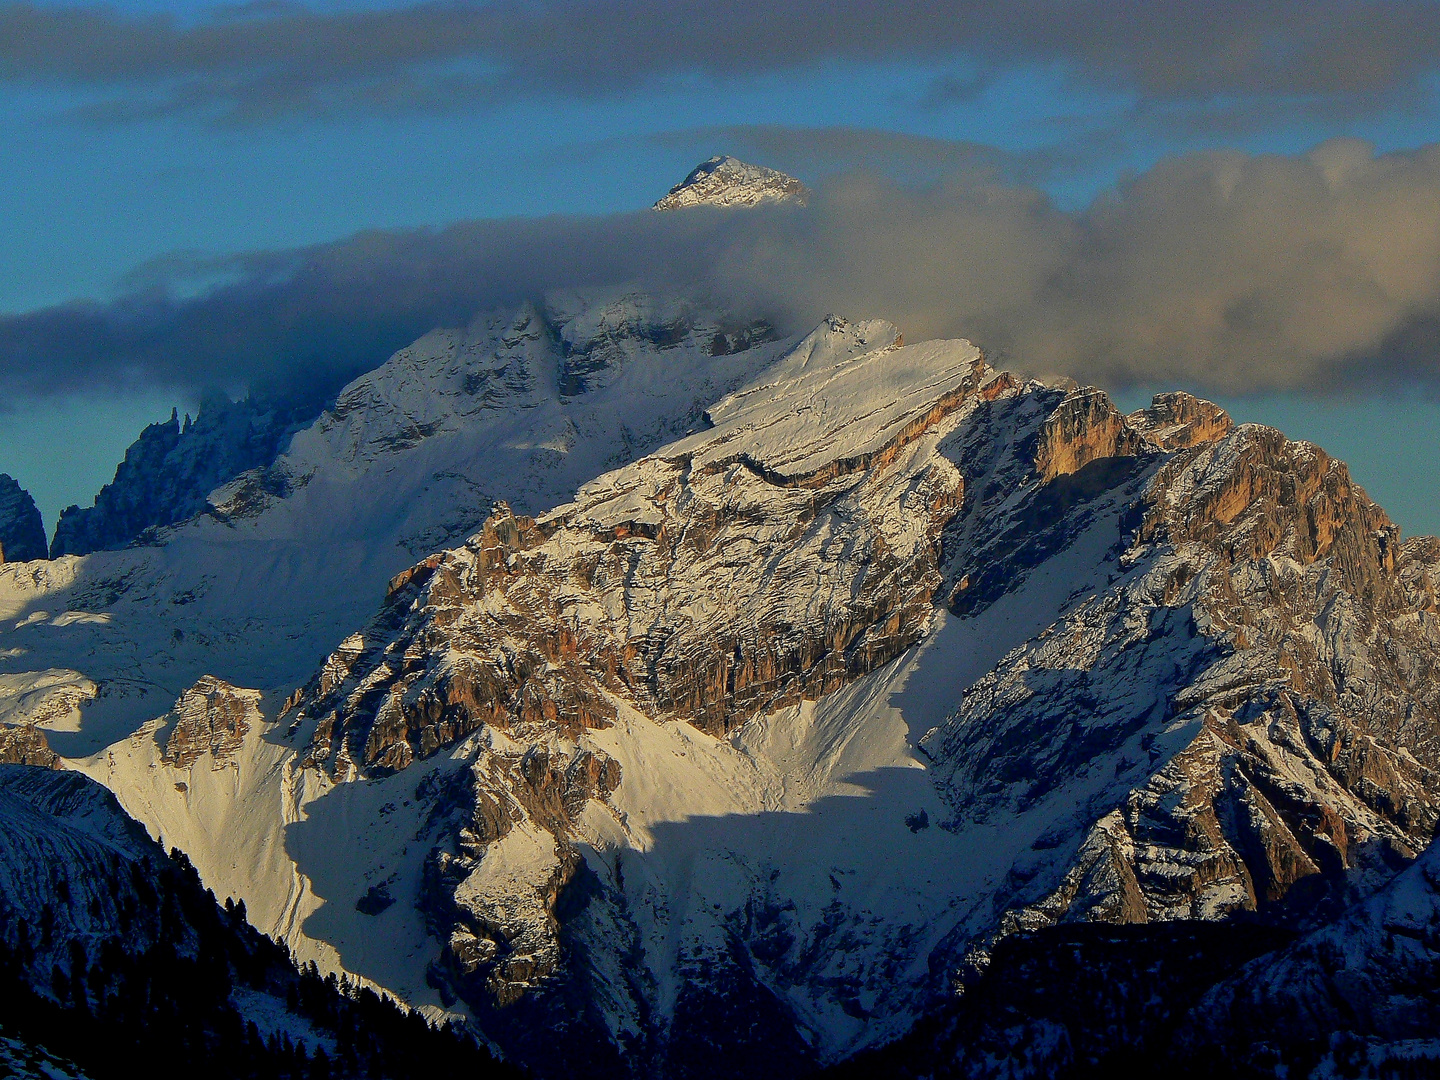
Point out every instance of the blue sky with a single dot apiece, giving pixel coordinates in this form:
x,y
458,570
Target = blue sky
x,y
211,135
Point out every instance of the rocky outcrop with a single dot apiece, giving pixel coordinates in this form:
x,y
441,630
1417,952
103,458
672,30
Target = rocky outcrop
x,y
1178,421
703,583
769,560
1084,427
212,717
22,533
497,946
726,181
171,469
25,744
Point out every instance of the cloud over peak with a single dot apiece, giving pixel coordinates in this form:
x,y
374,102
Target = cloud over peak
x,y
1224,270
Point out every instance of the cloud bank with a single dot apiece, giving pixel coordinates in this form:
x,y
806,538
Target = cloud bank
x,y
1225,271
258,60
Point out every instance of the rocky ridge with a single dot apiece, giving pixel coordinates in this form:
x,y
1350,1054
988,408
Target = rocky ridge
x,y
1222,747
682,587
211,717
636,588
1253,694
286,559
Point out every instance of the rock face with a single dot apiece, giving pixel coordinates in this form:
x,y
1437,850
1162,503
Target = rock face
x,y
169,471
636,589
22,533
1178,421
1084,427
24,744
726,181
1228,705
766,561
1258,670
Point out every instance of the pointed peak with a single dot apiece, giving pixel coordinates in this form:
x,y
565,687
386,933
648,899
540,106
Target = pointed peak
x,y
727,181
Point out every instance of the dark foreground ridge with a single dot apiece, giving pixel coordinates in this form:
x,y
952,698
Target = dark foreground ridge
x,y
1359,996
113,954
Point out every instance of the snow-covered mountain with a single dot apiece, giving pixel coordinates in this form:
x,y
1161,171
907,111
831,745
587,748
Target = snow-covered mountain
x,y
728,182
674,699
523,405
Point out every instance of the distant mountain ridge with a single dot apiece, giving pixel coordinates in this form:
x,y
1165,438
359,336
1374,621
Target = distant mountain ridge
x,y
172,467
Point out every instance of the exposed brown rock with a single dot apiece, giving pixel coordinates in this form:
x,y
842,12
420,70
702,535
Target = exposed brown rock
x,y
212,718
1292,633
24,744
1178,421
700,595
504,631
1237,711
1085,427
493,953
1257,494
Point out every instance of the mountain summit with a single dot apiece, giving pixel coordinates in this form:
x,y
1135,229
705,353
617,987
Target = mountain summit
x,y
727,181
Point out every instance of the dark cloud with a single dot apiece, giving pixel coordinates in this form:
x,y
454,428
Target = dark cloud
x,y
907,158
310,317
818,153
254,61
1231,272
